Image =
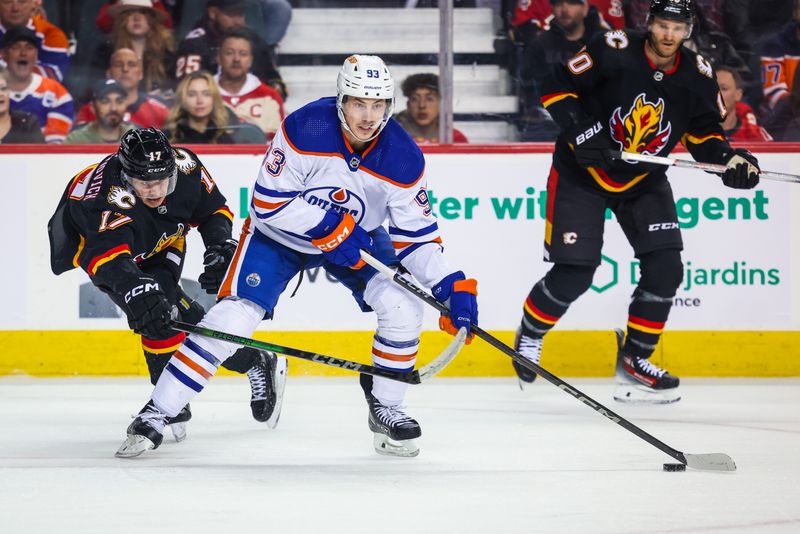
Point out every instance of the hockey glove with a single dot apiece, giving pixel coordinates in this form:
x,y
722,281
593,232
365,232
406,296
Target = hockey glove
x,y
216,260
591,145
341,239
459,294
148,310
742,170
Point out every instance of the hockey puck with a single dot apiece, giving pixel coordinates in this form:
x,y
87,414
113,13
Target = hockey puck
x,y
674,467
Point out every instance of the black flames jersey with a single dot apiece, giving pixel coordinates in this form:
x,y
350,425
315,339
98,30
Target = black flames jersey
x,y
99,220
645,110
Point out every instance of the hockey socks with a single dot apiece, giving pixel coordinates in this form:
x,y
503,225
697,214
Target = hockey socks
x,y
541,311
647,315
186,374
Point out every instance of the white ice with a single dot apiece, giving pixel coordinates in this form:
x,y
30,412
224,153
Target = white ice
x,y
493,460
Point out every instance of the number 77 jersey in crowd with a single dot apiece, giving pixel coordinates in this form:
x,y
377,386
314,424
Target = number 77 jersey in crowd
x,y
310,167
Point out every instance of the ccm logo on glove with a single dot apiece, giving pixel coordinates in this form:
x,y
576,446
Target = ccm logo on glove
x,y
140,289
339,234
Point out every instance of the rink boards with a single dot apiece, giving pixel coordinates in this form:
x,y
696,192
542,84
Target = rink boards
x,y
736,314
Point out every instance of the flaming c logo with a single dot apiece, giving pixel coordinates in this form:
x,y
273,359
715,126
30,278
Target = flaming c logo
x,y
640,130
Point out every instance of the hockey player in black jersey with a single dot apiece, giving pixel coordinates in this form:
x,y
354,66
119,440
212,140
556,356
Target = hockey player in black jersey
x,y
124,221
640,93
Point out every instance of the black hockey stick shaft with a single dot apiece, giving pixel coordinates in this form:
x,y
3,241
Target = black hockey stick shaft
x,y
331,361
521,360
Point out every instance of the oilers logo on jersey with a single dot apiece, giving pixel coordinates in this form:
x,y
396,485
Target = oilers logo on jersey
x,y
342,199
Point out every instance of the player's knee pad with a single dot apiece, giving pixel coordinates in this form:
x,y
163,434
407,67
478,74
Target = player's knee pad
x,y
661,272
566,283
399,313
233,315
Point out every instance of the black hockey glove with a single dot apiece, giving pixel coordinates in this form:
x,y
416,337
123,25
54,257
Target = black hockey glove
x,y
592,145
742,170
216,261
148,310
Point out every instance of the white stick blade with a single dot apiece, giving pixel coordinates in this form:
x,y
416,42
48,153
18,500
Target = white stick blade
x,y
715,461
447,356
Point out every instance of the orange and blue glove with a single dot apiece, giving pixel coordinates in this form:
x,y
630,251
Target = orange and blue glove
x,y
341,239
459,293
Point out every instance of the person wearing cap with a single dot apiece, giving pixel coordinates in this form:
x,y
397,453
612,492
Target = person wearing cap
x,y
140,108
46,98
51,42
16,126
420,119
108,102
139,26
199,50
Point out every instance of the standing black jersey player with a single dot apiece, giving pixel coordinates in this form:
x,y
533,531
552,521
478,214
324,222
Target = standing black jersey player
x,y
640,93
124,221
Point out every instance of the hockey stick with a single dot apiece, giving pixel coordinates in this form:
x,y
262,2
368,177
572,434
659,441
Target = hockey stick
x,y
709,167
706,462
413,377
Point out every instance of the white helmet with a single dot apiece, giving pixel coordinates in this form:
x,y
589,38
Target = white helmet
x,y
365,77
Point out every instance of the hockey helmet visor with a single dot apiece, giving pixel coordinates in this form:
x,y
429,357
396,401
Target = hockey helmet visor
x,y
365,77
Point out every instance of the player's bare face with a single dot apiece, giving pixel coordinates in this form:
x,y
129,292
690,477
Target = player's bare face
x,y
126,68
235,58
21,57
152,192
16,12
136,24
198,102
364,116
423,106
666,37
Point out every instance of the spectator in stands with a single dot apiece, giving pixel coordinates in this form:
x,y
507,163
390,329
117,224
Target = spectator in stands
x,y
51,42
16,126
44,97
200,48
780,55
574,24
141,108
783,122
250,98
105,21
200,116
740,123
421,116
108,101
140,26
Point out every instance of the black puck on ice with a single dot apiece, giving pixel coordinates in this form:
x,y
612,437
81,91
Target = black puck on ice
x,y
674,467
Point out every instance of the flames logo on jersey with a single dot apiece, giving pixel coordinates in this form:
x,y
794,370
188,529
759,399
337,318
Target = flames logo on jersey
x,y
339,197
121,197
640,130
164,241
184,161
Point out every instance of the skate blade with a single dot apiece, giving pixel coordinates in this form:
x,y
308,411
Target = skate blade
x,y
178,431
281,370
385,445
134,446
636,394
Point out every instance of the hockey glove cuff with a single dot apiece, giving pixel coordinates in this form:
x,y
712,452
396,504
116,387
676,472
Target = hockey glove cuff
x,y
148,310
341,239
216,260
591,145
742,170
459,294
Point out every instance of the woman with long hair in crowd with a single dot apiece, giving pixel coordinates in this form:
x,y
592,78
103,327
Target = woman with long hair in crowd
x,y
200,116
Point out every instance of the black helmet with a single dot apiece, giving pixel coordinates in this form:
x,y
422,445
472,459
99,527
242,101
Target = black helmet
x,y
145,154
680,10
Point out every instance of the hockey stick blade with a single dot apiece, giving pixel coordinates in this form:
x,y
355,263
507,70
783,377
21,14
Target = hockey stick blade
x,y
444,359
715,461
707,462
708,167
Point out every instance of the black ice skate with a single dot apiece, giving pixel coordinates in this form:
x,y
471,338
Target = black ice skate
x,y
531,348
267,384
394,431
640,381
145,432
177,424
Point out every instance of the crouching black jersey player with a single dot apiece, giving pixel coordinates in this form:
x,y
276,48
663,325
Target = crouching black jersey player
x,y
641,93
124,221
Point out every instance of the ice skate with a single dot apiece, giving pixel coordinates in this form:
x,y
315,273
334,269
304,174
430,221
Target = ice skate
x,y
177,424
531,349
394,430
267,384
641,382
146,432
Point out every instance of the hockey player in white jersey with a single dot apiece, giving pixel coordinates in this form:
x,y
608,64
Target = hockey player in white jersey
x,y
336,171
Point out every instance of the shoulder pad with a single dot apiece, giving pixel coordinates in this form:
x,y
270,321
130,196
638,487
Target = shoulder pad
x,y
396,158
185,160
314,127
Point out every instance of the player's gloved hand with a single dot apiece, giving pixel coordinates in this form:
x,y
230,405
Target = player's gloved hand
x,y
742,170
216,260
591,145
341,239
459,293
148,310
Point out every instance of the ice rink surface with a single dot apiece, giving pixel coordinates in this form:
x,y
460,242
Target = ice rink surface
x,y
493,460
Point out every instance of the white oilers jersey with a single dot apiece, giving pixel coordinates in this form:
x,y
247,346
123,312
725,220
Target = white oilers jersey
x,y
310,168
